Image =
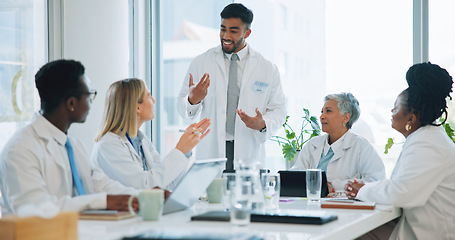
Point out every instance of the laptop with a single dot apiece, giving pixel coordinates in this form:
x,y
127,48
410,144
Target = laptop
x,y
193,184
293,184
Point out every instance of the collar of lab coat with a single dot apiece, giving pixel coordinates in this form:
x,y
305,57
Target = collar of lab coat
x,y
130,147
48,132
250,62
318,146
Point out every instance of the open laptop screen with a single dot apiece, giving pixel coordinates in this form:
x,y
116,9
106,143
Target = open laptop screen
x,y
193,184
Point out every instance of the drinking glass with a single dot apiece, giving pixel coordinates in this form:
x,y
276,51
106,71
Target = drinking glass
x,y
240,202
313,185
271,189
229,180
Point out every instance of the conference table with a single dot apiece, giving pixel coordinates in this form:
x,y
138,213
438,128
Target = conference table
x,y
351,223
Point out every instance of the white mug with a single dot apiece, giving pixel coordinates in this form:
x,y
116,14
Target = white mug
x,y
215,190
150,204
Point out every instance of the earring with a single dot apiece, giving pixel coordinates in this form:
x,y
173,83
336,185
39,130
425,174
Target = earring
x,y
408,127
72,109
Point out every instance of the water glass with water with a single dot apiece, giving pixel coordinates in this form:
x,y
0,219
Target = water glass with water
x,y
313,185
240,202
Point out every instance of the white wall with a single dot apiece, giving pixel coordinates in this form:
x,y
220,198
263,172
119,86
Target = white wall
x,y
96,33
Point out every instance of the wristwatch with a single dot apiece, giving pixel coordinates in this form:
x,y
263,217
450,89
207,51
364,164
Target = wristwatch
x,y
263,130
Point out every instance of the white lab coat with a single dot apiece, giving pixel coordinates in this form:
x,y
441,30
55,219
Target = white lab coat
x,y
119,160
34,169
423,184
260,88
358,159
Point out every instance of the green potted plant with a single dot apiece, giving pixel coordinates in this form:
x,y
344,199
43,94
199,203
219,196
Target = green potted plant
x,y
293,142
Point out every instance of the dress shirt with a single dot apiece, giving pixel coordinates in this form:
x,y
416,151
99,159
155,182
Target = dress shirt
x,y
243,55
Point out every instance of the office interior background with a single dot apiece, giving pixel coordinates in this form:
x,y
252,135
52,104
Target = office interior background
x,y
320,47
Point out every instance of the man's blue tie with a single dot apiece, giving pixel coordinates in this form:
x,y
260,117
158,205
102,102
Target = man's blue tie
x,y
324,162
76,180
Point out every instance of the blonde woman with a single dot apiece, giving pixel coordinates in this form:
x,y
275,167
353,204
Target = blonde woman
x,y
125,153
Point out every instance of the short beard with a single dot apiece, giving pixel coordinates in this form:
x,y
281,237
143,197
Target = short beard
x,y
234,49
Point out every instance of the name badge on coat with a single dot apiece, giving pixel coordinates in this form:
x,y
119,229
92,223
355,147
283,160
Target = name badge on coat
x,y
260,87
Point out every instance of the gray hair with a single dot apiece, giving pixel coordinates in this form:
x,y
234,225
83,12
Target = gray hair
x,y
346,103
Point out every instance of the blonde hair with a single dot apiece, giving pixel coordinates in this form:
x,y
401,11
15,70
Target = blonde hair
x,y
120,114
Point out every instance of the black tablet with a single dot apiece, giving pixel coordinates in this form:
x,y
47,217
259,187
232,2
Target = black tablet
x,y
293,184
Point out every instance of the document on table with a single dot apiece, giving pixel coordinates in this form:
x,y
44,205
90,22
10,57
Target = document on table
x,y
346,203
104,215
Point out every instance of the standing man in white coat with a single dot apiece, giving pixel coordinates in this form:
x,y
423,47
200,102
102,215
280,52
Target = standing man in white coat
x,y
239,90
42,165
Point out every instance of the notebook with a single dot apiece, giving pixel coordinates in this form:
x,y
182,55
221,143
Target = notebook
x,y
104,215
293,184
283,216
345,203
193,184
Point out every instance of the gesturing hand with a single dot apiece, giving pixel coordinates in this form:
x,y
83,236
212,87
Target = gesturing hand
x,y
198,91
256,122
193,135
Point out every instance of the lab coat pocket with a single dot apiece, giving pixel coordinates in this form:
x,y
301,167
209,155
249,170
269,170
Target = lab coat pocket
x,y
260,87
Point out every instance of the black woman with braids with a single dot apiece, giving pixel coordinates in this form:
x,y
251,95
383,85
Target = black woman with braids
x,y
423,181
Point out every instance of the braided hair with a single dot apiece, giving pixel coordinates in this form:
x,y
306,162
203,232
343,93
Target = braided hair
x,y
429,86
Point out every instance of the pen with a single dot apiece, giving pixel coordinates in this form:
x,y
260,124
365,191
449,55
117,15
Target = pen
x,y
184,130
100,212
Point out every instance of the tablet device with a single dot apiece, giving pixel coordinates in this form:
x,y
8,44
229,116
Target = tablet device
x,y
193,184
293,184
283,216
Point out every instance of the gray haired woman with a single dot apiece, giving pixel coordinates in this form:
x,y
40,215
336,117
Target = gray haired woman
x,y
343,154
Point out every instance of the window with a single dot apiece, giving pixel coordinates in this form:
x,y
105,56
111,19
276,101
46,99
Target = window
x,y
441,40
320,47
24,50
189,28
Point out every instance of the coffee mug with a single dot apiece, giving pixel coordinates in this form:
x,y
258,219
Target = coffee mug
x,y
150,204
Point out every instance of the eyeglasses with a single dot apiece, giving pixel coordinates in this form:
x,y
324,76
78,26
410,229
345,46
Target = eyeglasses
x,y
92,94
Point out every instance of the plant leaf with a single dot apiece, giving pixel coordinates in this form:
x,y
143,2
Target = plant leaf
x,y
388,145
307,113
290,135
288,152
450,132
314,122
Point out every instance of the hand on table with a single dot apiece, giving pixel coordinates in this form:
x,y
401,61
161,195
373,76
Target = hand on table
x,y
120,202
352,188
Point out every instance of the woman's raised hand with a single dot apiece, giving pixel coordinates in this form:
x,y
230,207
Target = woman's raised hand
x,y
194,133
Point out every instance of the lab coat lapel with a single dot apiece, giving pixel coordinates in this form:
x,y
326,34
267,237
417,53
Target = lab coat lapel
x,y
219,56
347,143
41,132
221,82
132,150
316,151
249,69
